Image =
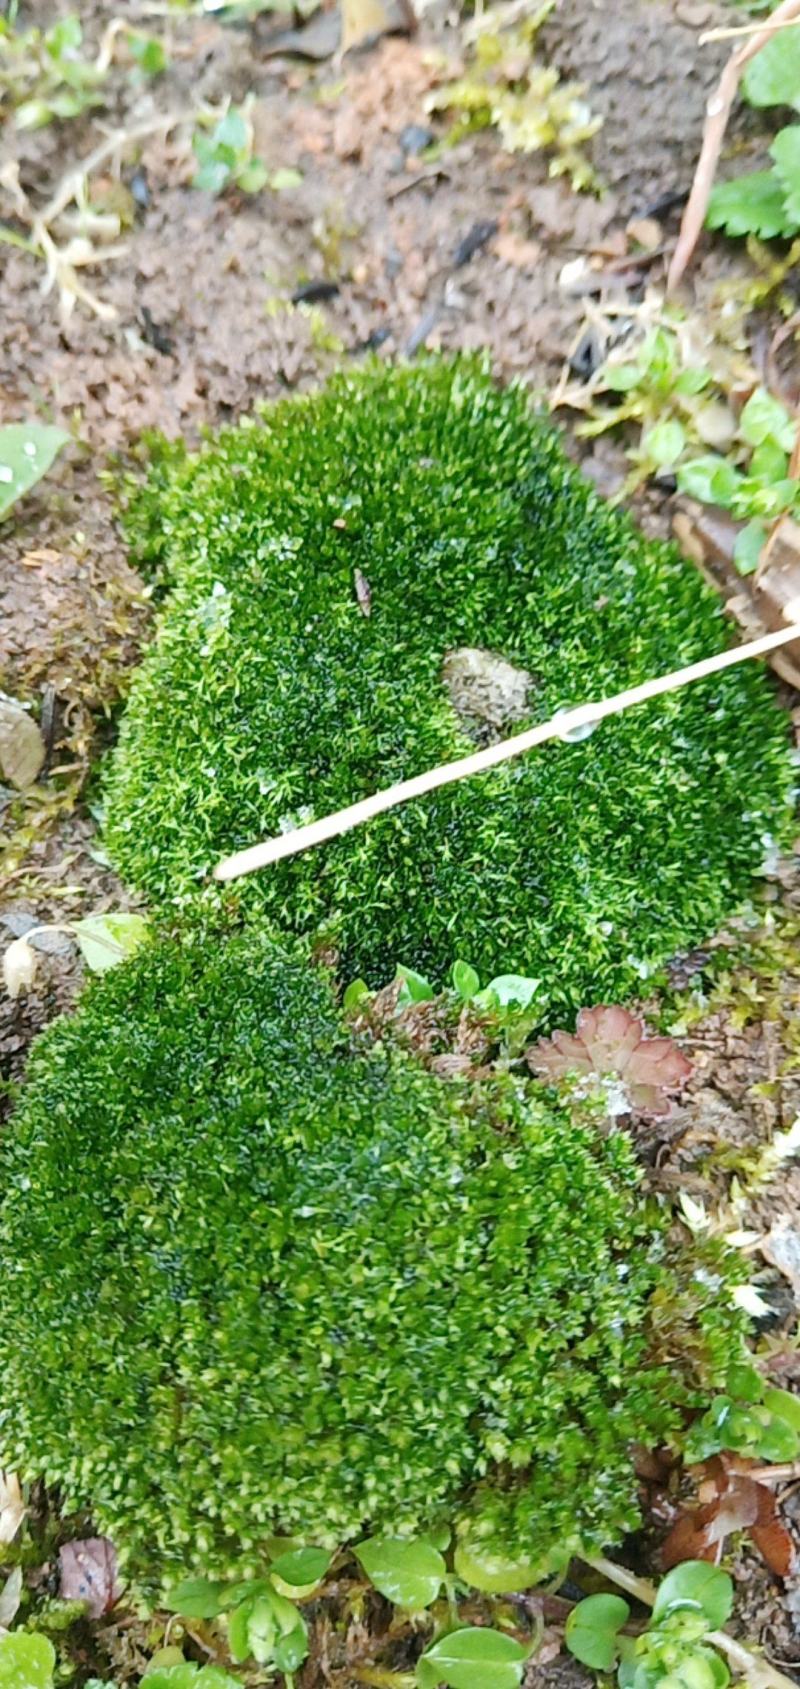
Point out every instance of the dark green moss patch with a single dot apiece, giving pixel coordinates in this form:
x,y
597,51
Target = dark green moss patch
x,y
270,697
254,1279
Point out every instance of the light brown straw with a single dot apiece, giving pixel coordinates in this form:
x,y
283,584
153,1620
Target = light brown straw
x,y
558,727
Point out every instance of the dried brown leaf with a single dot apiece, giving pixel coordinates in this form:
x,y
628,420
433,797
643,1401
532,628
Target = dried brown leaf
x,y
89,1573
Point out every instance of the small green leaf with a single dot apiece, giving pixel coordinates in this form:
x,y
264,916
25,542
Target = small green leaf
x,y
150,54
27,450
750,205
292,1648
498,1574
408,1570
663,444
744,1382
465,980
473,1658
591,1630
509,991
749,546
231,131
357,992
189,1675
764,418
415,988
26,1661
784,1406
252,177
281,180
302,1566
621,378
711,479
772,78
752,498
105,940
785,150
695,1584
212,177
239,1631
197,1598
768,463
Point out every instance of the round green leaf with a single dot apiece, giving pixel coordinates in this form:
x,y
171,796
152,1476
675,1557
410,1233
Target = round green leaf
x,y
784,1406
27,450
465,980
473,1659
408,1570
414,987
26,1662
497,1574
591,1630
302,1567
764,418
510,991
663,444
749,546
696,1584
711,479
197,1598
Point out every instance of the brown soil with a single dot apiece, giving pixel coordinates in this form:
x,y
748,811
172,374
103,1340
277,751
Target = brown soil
x,y
204,329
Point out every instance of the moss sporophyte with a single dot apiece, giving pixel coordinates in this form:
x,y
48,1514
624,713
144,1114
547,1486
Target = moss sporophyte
x,y
269,697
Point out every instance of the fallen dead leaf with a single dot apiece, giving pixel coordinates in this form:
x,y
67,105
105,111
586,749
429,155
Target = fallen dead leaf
x,y
12,1506
89,1573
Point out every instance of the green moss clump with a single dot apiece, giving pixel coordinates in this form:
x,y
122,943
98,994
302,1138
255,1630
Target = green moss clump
x,y
253,1278
269,696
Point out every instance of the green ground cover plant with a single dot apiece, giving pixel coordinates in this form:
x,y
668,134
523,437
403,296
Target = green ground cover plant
x,y
280,687
260,1276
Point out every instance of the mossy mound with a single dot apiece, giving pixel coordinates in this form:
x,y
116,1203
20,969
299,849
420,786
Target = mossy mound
x,y
270,696
254,1279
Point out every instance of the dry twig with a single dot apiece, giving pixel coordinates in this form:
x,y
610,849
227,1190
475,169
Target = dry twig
x,y
717,113
558,727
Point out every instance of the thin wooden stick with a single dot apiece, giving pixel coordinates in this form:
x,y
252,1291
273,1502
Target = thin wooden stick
x,y
717,114
558,727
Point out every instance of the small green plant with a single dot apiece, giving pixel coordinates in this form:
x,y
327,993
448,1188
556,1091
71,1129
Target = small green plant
x,y
692,1601
766,203
680,403
262,1620
752,1418
226,159
759,491
148,53
44,74
27,450
507,88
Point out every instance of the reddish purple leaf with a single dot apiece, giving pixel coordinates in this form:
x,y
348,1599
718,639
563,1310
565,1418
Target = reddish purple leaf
x,y
610,1040
89,1573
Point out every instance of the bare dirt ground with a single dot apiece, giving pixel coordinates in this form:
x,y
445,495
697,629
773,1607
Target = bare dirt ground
x,y
204,328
